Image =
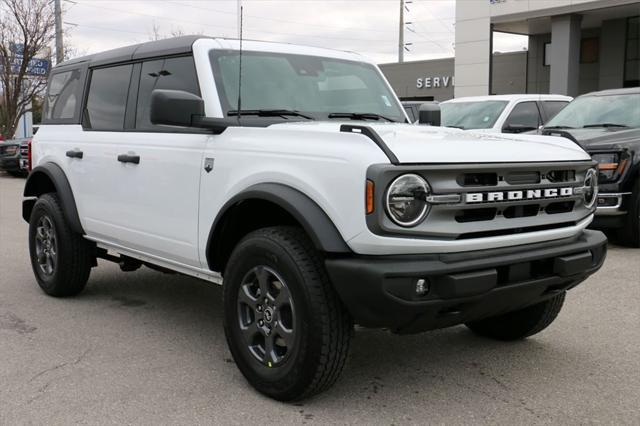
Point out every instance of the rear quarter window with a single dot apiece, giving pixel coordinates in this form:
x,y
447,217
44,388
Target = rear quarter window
x,y
63,98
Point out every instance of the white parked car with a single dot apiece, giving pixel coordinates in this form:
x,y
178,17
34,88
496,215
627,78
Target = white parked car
x,y
502,113
307,195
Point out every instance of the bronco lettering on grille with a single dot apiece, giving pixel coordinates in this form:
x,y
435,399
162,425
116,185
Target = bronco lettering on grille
x,y
530,194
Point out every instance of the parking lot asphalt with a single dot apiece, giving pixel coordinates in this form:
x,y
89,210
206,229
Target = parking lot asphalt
x,y
148,348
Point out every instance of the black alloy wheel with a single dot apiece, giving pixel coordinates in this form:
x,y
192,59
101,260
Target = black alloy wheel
x,y
46,243
266,316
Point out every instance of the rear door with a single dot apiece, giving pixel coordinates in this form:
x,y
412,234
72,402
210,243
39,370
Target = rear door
x,y
143,180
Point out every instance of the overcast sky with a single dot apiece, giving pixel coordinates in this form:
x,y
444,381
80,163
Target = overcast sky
x,y
366,26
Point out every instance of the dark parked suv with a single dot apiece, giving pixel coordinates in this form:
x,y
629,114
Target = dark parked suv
x,y
607,125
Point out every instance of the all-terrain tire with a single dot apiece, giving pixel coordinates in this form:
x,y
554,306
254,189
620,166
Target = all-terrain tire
x,y
629,234
321,326
67,275
522,323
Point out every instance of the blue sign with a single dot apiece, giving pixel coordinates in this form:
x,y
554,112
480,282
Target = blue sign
x,y
36,67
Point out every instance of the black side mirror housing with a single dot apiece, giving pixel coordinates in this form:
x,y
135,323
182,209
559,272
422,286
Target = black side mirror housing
x,y
429,114
184,109
175,108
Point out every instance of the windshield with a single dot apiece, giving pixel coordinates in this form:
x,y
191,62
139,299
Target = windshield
x,y
471,115
593,110
311,85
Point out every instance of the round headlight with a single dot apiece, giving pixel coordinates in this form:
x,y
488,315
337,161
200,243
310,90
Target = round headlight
x,y
590,193
406,200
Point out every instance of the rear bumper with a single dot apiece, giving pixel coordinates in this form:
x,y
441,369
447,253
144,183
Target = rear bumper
x,y
379,291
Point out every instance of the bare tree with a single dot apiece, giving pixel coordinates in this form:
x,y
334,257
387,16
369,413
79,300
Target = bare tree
x,y
157,34
27,28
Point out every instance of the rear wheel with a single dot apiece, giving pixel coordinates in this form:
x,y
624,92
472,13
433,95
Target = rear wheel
x,y
60,258
287,330
521,323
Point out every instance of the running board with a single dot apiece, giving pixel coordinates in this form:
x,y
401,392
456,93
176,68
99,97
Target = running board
x,y
160,262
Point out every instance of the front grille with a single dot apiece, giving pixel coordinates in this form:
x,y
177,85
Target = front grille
x,y
24,149
560,176
495,199
522,178
526,210
478,179
476,215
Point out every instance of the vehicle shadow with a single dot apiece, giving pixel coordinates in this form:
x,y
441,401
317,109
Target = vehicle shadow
x,y
451,365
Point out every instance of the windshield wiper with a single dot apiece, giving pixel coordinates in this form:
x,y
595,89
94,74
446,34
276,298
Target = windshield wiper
x,y
269,113
360,116
455,127
604,125
557,127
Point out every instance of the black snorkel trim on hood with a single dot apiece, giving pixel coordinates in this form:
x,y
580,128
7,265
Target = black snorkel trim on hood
x,y
374,136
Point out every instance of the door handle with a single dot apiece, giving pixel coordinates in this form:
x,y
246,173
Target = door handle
x,y
75,154
129,158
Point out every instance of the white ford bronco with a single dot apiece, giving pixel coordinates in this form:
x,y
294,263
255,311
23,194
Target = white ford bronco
x,y
302,190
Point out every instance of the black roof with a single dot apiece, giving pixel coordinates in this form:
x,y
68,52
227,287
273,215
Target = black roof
x,y
170,46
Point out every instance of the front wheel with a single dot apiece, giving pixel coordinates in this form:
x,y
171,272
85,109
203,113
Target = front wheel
x,y
521,323
285,325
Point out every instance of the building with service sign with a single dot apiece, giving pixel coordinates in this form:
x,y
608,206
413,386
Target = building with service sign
x,y
434,79
575,46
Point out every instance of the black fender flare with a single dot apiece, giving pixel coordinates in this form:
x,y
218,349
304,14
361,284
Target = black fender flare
x,y
313,219
39,182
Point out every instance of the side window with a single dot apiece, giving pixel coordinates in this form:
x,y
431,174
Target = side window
x,y
63,96
171,73
551,108
524,117
107,100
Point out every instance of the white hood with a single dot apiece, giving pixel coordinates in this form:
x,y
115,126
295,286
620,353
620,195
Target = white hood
x,y
425,144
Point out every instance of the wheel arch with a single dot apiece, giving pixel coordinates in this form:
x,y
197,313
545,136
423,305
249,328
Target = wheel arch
x,y
47,178
278,204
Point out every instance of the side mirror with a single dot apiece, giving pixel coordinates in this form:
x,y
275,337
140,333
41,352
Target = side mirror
x,y
175,108
429,114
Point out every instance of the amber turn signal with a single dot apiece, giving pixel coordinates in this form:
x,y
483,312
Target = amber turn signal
x,y
369,197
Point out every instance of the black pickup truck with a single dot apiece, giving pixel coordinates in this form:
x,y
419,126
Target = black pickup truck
x,y
607,125
10,157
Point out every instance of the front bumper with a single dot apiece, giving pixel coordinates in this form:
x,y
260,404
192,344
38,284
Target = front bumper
x,y
379,291
10,163
612,211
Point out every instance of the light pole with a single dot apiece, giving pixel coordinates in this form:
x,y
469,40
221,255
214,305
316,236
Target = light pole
x,y
401,34
59,42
